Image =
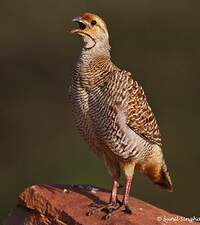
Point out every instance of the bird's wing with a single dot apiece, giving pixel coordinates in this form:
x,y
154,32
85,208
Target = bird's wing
x,y
140,116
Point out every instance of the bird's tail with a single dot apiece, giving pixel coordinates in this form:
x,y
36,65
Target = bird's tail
x,y
164,179
159,174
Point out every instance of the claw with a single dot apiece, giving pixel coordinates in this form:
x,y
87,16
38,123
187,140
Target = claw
x,y
108,210
106,217
127,210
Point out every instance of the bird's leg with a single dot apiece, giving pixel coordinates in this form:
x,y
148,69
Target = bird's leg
x,y
110,211
113,196
113,203
126,195
129,171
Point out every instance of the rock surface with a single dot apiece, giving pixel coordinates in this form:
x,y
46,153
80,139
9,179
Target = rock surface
x,y
68,205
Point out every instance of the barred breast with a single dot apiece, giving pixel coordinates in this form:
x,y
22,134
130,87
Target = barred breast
x,y
79,98
101,99
108,111
79,101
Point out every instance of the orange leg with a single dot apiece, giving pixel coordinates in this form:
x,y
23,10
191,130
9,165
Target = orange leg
x,y
126,194
113,196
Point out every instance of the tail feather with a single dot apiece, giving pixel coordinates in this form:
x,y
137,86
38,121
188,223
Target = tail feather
x,y
164,180
159,174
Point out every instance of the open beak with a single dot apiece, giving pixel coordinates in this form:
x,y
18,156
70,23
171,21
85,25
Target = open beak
x,y
81,23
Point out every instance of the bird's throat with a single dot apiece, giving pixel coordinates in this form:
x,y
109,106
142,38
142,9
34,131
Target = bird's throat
x,y
89,42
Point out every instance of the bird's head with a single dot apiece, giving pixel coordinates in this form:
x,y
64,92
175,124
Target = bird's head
x,y
93,30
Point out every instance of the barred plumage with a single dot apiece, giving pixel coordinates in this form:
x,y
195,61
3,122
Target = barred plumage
x,y
112,113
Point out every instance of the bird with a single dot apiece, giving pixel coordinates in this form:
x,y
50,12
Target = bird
x,y
111,112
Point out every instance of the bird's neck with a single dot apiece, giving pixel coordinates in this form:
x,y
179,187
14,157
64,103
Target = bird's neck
x,y
94,66
100,49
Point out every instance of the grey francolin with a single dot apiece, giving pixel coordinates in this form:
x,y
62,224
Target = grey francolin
x,y
112,114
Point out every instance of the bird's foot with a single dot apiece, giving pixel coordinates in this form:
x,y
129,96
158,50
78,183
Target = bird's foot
x,y
109,209
112,211
126,209
95,208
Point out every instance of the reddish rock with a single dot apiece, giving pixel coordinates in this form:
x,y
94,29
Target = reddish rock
x,y
68,205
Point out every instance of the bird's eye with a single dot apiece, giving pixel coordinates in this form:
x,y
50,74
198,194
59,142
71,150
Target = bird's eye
x,y
93,22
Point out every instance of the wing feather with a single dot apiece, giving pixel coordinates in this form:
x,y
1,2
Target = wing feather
x,y
140,116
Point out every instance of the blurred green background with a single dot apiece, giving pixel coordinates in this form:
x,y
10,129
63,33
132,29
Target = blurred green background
x,y
159,41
